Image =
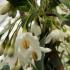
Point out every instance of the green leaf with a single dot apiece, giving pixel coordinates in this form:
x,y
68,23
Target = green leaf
x,y
66,2
6,67
24,5
53,3
68,62
29,18
38,65
66,20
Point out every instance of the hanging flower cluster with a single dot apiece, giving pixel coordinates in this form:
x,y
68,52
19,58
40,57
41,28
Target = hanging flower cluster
x,y
27,50
36,36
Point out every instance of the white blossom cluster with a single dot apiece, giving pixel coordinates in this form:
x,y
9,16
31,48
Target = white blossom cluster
x,y
27,48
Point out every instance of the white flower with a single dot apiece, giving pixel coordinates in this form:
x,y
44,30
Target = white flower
x,y
67,32
28,46
35,28
62,9
15,61
27,49
1,57
4,7
28,68
55,35
8,60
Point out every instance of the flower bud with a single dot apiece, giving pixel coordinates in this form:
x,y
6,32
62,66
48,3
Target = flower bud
x,y
35,29
4,7
10,51
17,65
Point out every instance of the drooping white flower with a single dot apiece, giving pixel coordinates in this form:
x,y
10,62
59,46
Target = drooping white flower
x,y
55,35
4,6
27,49
35,28
28,46
62,9
15,61
9,60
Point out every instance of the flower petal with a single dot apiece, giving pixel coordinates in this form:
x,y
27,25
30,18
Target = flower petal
x,y
45,50
55,35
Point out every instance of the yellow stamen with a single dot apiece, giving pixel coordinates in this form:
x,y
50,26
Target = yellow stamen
x,y
34,55
25,44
